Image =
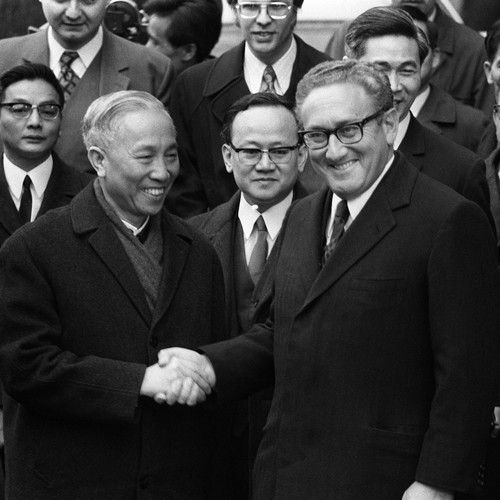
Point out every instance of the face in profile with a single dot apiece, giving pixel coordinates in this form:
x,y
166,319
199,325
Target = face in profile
x,y
138,165
267,180
29,136
492,70
349,169
158,27
268,38
75,22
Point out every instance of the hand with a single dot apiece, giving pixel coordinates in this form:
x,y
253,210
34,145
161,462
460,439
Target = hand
x,y
420,491
198,373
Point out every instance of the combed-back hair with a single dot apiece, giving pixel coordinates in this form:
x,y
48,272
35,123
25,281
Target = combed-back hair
x,y
378,22
492,41
30,71
296,3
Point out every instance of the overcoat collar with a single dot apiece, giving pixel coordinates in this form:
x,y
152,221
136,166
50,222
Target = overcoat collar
x,y
439,107
413,143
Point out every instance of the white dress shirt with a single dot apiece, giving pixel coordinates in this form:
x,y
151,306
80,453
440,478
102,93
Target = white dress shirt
x,y
86,54
419,101
356,204
39,176
273,217
402,129
253,69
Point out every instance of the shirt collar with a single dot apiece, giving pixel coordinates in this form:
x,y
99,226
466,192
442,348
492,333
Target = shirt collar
x,y
135,230
419,101
85,53
273,216
432,16
253,69
39,176
402,129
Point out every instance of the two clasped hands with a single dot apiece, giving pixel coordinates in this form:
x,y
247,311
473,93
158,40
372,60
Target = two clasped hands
x,y
181,376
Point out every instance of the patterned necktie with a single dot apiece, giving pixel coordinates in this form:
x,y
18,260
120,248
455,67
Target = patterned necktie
x,y
26,201
259,252
268,80
68,78
341,216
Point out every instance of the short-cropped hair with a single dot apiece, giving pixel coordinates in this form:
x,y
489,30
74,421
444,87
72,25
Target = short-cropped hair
x,y
296,3
492,41
374,82
30,71
191,21
378,22
104,114
260,99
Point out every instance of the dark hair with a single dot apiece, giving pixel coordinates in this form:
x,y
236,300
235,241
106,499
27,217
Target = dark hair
x,y
296,3
351,72
30,71
431,32
191,21
250,101
492,41
381,21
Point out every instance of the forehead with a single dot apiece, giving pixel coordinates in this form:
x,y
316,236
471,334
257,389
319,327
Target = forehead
x,y
264,121
145,126
32,91
336,104
391,48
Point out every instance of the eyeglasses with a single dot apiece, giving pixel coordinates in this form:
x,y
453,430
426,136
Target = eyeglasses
x,y
275,10
23,110
252,156
346,134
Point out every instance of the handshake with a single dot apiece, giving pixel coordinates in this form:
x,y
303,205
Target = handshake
x,y
181,376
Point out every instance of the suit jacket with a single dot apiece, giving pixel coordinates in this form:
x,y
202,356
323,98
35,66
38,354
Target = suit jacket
x,y
462,55
489,141
492,169
77,335
381,359
200,98
120,65
461,124
64,184
447,162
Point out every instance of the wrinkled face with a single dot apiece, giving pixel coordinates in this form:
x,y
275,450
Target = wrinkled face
x,y
349,170
158,40
268,38
74,22
492,70
397,56
266,183
426,6
139,165
29,141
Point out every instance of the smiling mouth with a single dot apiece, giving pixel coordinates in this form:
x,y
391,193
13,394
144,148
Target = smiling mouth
x,y
155,192
344,165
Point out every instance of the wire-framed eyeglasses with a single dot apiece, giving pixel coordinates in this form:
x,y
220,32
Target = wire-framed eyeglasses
x,y
23,110
275,10
252,156
350,133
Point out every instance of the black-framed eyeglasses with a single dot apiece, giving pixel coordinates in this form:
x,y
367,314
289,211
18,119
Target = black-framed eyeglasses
x,y
23,110
252,156
275,10
346,134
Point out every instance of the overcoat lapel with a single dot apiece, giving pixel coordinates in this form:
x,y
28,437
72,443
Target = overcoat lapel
x,y
114,66
413,144
9,216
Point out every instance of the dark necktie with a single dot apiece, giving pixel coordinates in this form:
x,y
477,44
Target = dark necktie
x,y
26,201
268,80
341,216
68,78
259,252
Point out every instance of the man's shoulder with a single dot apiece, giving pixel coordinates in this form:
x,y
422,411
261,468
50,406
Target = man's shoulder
x,y
309,53
211,222
70,177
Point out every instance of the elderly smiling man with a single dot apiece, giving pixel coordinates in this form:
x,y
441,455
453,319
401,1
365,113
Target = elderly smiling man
x,y
89,294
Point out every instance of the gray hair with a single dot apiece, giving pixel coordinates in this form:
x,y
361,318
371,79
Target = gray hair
x,y
374,82
104,114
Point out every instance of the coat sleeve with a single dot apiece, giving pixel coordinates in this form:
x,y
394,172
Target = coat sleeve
x,y
35,370
463,295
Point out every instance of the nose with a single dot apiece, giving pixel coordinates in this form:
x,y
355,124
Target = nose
x,y
73,9
263,17
265,162
394,80
160,171
34,120
335,150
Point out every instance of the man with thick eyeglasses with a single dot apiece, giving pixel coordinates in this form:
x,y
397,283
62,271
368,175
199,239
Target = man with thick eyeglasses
x,y
263,152
32,177
272,59
384,319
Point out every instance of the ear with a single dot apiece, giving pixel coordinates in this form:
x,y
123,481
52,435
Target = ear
x,y
96,158
436,59
390,122
188,52
487,71
227,153
236,17
302,157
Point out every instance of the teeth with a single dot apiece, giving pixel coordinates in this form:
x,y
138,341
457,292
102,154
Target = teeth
x,y
343,166
155,191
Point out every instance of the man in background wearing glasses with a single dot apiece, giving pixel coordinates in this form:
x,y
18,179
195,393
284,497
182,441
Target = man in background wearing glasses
x,y
381,338
263,152
270,59
32,177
